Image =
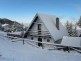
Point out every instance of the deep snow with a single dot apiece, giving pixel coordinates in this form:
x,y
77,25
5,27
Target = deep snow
x,y
16,51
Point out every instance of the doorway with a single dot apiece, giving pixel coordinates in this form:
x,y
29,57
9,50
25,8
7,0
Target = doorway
x,y
40,40
80,35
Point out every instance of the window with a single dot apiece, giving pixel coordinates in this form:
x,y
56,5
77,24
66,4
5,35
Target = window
x,y
39,28
80,35
48,40
31,38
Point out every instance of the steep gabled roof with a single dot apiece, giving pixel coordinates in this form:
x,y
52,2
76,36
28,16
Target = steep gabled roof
x,y
50,23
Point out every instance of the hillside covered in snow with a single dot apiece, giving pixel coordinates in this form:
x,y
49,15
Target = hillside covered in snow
x,y
16,51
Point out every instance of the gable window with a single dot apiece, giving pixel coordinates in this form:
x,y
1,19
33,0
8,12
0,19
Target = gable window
x,y
48,40
39,28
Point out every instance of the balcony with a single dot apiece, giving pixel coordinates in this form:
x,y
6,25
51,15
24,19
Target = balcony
x,y
39,33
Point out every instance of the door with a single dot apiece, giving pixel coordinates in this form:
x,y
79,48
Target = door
x,y
40,40
80,35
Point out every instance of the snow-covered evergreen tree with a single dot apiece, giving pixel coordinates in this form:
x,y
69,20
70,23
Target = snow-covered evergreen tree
x,y
72,31
79,22
69,28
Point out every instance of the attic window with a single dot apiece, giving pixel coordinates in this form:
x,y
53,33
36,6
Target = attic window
x,y
57,23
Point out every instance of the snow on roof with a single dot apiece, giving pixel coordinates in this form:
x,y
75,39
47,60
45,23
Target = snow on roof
x,y
18,33
4,25
78,28
50,23
71,41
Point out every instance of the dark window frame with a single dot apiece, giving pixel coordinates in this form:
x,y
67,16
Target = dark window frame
x,y
32,38
48,40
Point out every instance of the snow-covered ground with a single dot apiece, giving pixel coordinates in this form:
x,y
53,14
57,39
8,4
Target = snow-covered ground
x,y
16,51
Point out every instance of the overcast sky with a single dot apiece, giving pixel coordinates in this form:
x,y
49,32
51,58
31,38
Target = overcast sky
x,y
25,10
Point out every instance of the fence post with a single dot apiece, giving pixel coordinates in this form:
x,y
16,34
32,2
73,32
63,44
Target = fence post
x,y
23,42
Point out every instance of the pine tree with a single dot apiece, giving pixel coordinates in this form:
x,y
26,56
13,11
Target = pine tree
x,y
75,32
79,22
69,28
72,31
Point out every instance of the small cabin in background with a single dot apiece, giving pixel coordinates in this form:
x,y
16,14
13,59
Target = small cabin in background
x,y
8,28
46,28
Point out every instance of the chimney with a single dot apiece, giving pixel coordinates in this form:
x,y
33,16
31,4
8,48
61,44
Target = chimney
x,y
57,23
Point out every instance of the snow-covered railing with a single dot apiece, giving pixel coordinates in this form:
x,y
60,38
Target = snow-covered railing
x,y
47,43
58,46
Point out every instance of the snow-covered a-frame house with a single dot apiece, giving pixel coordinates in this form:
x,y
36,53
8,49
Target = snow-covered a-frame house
x,y
45,28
